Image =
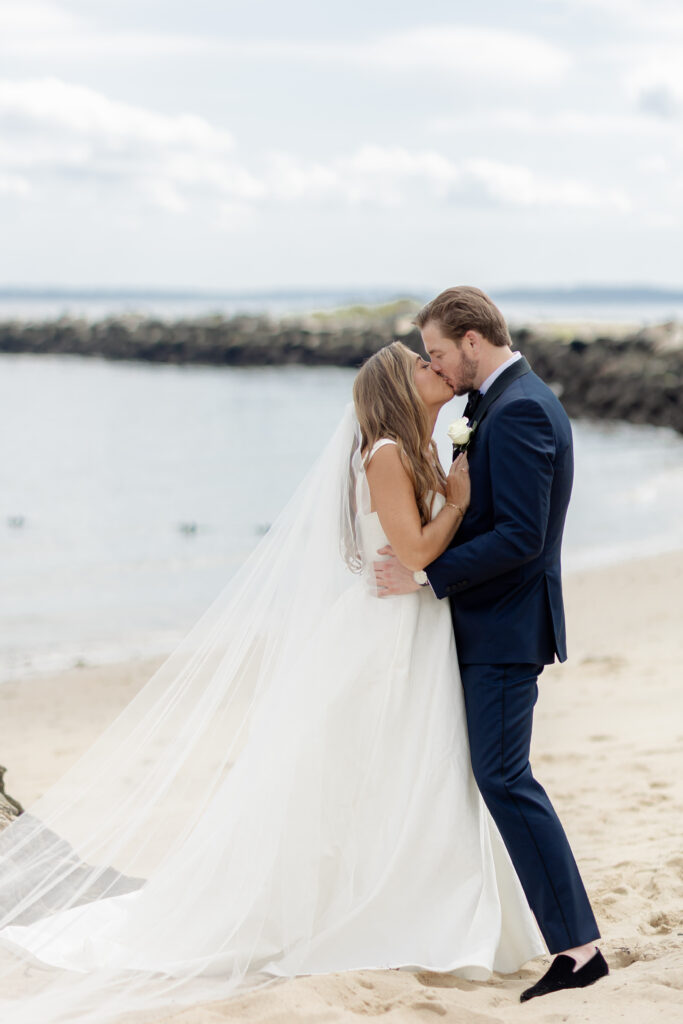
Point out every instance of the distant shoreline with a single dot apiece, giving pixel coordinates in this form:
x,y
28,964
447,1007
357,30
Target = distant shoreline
x,y
633,305
579,294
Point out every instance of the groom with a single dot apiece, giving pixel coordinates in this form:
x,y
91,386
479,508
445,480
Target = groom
x,y
502,577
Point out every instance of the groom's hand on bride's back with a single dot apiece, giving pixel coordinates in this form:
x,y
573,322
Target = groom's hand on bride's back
x,y
391,576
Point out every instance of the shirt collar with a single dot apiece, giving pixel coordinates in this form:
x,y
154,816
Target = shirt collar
x,y
483,388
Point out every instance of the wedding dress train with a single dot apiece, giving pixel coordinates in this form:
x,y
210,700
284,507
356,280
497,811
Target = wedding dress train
x,y
345,831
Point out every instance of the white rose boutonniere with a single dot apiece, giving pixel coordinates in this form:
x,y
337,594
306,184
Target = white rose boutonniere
x,y
460,432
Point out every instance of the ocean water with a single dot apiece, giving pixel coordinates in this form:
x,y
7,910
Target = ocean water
x,y
129,494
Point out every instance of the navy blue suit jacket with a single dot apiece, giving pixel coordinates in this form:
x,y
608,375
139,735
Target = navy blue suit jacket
x,y
502,571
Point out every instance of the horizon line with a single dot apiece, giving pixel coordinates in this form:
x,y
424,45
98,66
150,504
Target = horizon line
x,y
604,292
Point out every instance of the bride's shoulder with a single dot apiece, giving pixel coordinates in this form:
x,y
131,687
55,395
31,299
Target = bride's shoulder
x,y
380,443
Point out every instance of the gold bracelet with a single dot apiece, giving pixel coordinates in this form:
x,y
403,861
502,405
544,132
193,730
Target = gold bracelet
x,y
458,508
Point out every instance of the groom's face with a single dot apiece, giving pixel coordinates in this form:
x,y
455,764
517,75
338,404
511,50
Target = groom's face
x,y
456,361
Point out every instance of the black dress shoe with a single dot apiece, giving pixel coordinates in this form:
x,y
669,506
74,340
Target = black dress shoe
x,y
561,974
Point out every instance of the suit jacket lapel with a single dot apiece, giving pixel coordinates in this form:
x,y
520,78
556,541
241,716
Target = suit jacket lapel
x,y
514,372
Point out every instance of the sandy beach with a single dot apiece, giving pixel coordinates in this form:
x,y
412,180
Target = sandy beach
x,y
608,737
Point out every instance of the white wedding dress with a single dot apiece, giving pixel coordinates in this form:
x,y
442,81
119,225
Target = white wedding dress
x,y
347,832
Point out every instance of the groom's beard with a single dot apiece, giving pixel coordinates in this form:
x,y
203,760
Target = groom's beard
x,y
466,375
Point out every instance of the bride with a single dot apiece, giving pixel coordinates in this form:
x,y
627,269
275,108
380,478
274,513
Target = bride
x,y
291,792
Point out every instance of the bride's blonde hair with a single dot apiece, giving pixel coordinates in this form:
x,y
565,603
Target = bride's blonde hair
x,y
388,404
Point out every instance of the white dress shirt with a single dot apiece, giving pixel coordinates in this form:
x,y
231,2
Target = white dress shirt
x,y
483,388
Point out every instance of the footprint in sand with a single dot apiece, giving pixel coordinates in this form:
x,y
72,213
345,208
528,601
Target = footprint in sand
x,y
437,1008
653,799
676,862
433,980
461,1015
662,923
563,758
624,956
611,662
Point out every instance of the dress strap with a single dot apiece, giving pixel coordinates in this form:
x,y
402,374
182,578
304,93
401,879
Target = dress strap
x,y
376,447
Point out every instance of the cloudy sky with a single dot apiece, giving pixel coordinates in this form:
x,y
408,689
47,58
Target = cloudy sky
x,y
232,144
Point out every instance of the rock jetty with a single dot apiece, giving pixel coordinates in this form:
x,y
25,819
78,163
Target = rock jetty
x,y
238,341
636,376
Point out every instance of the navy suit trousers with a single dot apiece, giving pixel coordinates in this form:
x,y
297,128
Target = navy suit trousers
x,y
499,700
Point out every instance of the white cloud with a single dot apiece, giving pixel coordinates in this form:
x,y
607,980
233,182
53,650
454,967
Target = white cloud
x,y
389,177
643,51
29,28
376,175
524,121
54,131
451,50
446,50
655,163
56,134
657,84
471,50
14,185
51,104
513,185
26,18
648,16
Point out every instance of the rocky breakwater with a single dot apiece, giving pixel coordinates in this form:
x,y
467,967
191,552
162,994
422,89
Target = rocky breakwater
x,y
635,376
237,341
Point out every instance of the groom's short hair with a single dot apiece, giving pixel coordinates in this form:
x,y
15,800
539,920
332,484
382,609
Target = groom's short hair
x,y
462,309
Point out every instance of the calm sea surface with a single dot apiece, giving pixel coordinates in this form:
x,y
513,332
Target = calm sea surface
x,y
129,494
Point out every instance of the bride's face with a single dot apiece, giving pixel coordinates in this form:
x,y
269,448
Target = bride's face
x,y
434,390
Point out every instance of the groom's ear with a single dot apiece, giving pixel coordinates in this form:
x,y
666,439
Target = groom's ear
x,y
472,342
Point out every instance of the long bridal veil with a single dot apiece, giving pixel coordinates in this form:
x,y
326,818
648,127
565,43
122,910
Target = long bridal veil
x,y
142,879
